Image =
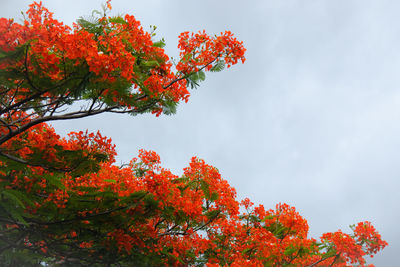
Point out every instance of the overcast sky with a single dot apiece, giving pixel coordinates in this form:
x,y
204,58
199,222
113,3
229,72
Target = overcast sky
x,y
311,119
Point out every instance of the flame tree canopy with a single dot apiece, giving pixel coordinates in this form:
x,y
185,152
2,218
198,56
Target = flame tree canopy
x,y
65,202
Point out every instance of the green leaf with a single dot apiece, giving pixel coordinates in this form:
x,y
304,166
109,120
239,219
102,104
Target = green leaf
x,y
246,251
2,54
212,214
214,196
55,181
12,196
205,187
201,75
96,12
169,107
159,44
118,20
151,63
290,251
219,66
16,214
195,78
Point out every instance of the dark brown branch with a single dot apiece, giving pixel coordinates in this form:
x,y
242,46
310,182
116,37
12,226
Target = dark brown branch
x,y
323,259
67,116
187,75
40,92
207,223
86,217
22,161
336,257
90,215
6,125
71,115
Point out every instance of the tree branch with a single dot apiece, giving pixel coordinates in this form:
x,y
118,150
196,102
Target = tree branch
x,y
187,75
323,259
22,161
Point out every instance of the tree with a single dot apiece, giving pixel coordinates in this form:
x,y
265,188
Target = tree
x,y
65,202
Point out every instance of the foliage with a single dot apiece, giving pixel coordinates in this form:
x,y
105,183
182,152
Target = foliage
x,y
63,201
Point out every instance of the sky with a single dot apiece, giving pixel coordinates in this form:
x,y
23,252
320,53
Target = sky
x,y
311,119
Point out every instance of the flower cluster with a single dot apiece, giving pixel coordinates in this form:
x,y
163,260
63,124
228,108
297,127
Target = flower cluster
x,y
200,50
146,209
115,55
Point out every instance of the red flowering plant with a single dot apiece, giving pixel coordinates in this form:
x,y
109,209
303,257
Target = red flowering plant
x,y
65,202
111,63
